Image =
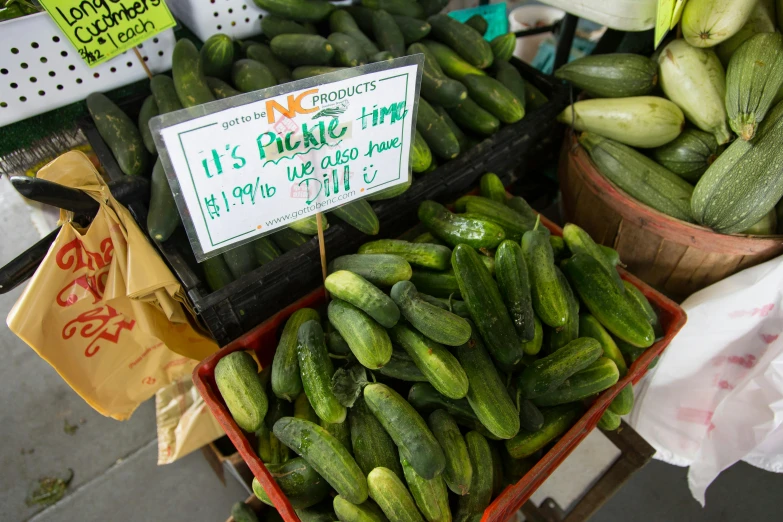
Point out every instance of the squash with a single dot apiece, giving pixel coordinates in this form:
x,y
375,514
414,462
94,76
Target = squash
x,y
689,154
762,20
766,226
706,23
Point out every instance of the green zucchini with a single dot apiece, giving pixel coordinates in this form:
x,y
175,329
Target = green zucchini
x,y
300,483
436,257
397,7
557,338
761,20
236,376
341,21
548,373
597,377
530,417
387,33
325,454
308,71
437,364
436,87
491,187
217,55
744,183
165,93
465,40
503,46
241,260
368,511
470,116
438,284
623,403
407,429
297,10
402,367
514,223
412,29
433,321
459,471
367,339
315,366
426,399
765,226
431,496
479,495
549,298
360,215
641,177
495,97
639,121
163,216
265,251
286,379
689,154
621,317
485,303
421,155
372,446
706,23
455,230
149,109
273,25
220,89
188,74
590,327
120,134
262,53
479,23
216,273
356,290
378,269
388,491
557,420
615,75
514,285
302,49
609,421
450,62
580,242
288,239
510,76
436,132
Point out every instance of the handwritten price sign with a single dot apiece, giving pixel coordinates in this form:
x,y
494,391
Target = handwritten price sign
x,y
246,166
102,29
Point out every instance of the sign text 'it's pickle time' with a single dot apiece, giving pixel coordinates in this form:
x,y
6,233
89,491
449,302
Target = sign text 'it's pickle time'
x,y
252,164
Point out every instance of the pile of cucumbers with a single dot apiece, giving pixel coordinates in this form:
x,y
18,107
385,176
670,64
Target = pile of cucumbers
x,y
442,367
695,131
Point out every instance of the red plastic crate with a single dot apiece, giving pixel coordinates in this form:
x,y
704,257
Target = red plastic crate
x,y
263,341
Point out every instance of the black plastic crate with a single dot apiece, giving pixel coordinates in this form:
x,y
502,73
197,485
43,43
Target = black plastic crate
x,y
239,306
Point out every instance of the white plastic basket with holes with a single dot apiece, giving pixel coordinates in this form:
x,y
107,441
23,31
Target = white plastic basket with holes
x,y
40,70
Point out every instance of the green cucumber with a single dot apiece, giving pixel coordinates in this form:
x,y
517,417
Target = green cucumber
x,y
270,449
316,368
634,294
483,299
341,21
767,225
378,269
426,399
300,483
335,341
348,52
421,155
479,495
520,206
236,376
503,46
387,33
220,89
249,75
609,421
432,7
450,62
262,53
402,367
241,260
465,40
530,417
437,284
479,23
590,327
595,287
149,109
120,134
360,215
382,56
597,377
623,403
304,410
396,7
615,75
436,257
491,187
163,216
288,239
286,379
462,139
188,74
368,511
510,76
391,192
241,512
548,373
297,10
436,87
407,429
362,16
165,93
473,118
431,496
217,55
216,273
308,71
514,223
325,454
495,97
434,322
533,346
611,254
689,154
454,306
388,491
412,29
362,294
273,25
367,339
322,512
514,285
557,420
437,364
580,242
560,337
534,98
550,301
459,471
559,248
265,250
372,446
455,230
436,132
302,49
497,471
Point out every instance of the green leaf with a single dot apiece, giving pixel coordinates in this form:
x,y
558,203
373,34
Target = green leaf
x,y
348,383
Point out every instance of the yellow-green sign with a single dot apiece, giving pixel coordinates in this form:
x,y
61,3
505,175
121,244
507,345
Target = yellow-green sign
x,y
102,29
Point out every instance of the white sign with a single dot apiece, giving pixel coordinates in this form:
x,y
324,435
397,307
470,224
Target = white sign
x,y
248,165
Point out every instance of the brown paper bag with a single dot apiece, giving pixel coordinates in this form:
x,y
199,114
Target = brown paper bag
x,y
103,309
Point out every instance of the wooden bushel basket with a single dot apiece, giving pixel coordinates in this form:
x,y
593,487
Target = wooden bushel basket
x,y
673,256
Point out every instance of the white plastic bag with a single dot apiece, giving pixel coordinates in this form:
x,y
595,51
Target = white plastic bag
x,y
716,396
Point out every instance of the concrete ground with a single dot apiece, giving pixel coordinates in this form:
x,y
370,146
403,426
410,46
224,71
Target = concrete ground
x,y
47,429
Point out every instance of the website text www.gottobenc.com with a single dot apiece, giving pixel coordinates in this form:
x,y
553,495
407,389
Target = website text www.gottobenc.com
x,y
306,211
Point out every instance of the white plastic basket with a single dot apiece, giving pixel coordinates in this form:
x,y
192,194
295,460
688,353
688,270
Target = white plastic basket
x,y
236,18
40,70
623,15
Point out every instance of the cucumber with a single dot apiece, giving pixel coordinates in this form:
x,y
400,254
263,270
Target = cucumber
x,y
217,55
636,295
216,273
286,380
452,305
580,242
325,454
559,248
427,237
455,230
188,74
263,54
372,446
387,33
120,134
534,98
437,364
335,341
503,46
362,16
382,56
220,89
436,132
368,511
264,250
621,317
362,294
744,183
426,399
241,512
434,322
276,451
479,495
438,284
689,154
530,417
341,21
560,337
272,26
550,301
450,62
432,7
165,94
360,215
300,483
641,177
609,421
436,257
378,269
431,496
367,339
402,367
249,75
484,301
611,254
495,97
163,217
473,118
509,76
491,187
308,71
236,376
322,512
459,471
288,239
396,7
297,10
497,471
590,327
533,346
479,23
388,491
410,433
520,206
149,109
557,420
315,366
548,373
623,403
462,139
302,49
487,395
412,29
514,223
597,377
421,155
617,75
241,260
391,192
514,285
348,52
436,87
463,39
706,23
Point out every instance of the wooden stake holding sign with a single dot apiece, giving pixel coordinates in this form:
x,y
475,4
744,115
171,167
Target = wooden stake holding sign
x,y
322,248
